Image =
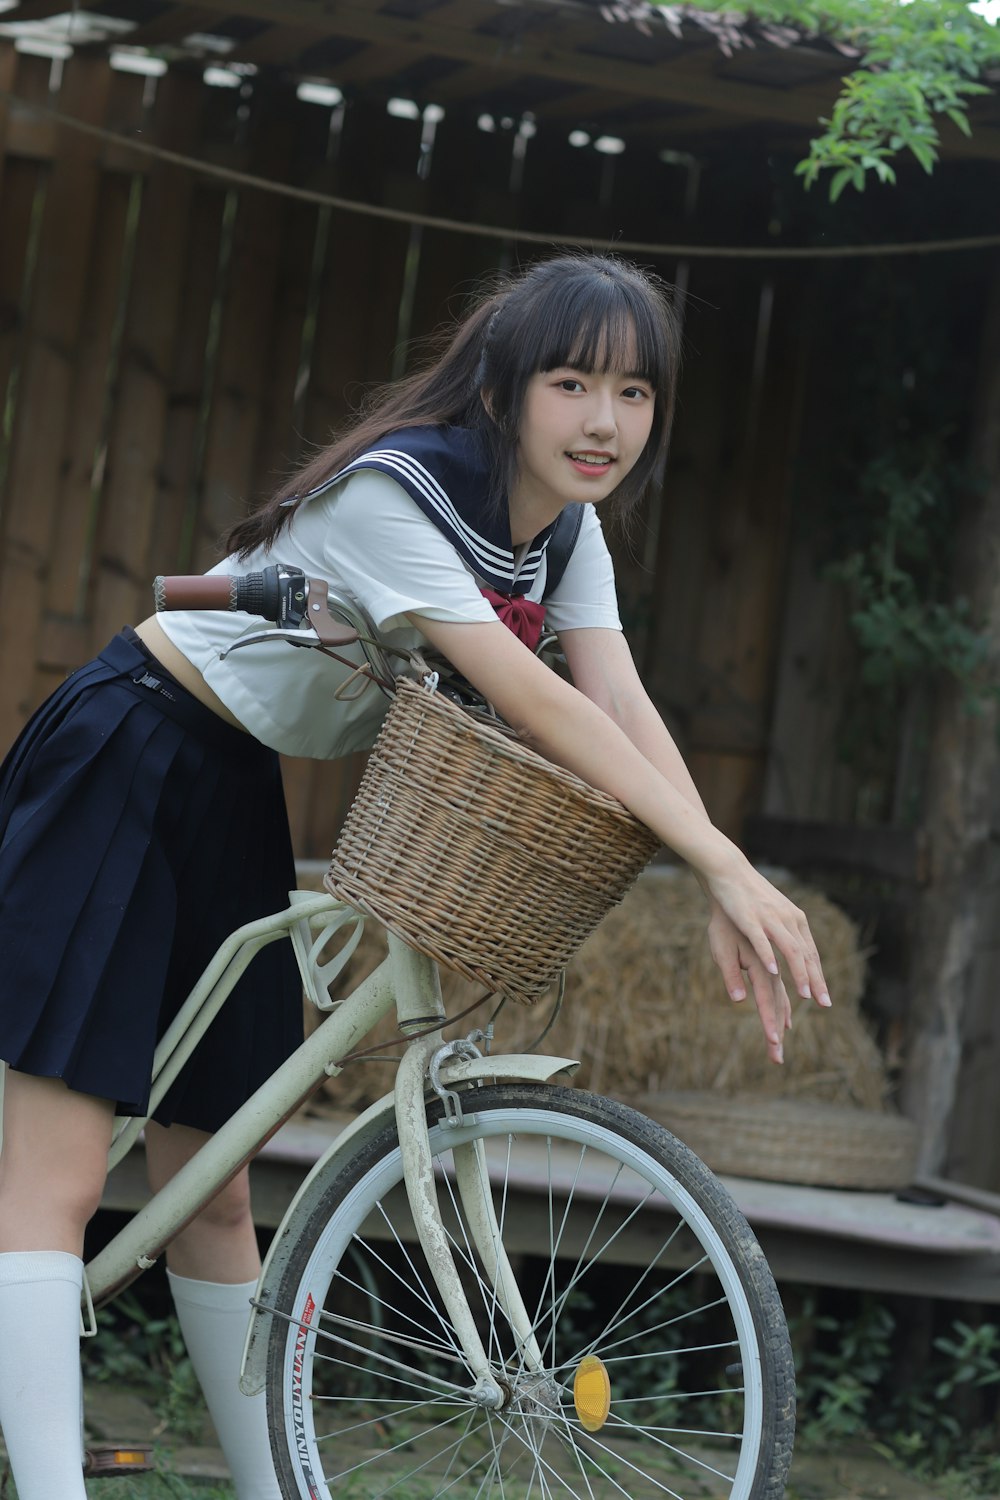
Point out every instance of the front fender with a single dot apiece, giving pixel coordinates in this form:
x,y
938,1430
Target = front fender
x,y
351,1140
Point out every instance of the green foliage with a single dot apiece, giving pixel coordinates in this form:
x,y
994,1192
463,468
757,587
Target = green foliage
x,y
912,65
843,1371
974,1355
852,1386
894,579
889,458
135,1348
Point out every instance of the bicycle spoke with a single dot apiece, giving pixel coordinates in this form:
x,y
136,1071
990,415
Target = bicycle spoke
x,y
386,1335
540,1461
487,1293
491,1293
418,1285
447,1386
555,1242
620,1458
584,1260
618,1423
588,1260
470,1468
408,1407
601,1343
384,1453
688,1271
387,1365
624,1359
563,1433
620,1316
340,1280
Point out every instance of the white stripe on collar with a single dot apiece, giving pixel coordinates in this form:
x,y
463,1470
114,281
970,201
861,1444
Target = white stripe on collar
x,y
494,560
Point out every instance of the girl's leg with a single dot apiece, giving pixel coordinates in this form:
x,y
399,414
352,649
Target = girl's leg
x,y
212,1267
52,1170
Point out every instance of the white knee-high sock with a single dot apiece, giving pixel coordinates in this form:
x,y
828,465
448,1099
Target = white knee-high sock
x,y
40,1383
214,1316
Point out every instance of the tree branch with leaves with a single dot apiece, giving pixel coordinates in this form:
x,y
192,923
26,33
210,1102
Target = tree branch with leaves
x,y
915,65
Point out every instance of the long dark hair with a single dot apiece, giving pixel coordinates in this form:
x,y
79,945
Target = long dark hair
x,y
588,312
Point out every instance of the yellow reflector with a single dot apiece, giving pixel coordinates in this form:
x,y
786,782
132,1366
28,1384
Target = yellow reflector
x,y
592,1393
130,1456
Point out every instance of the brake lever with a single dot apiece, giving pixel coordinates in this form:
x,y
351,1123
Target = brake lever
x,y
305,635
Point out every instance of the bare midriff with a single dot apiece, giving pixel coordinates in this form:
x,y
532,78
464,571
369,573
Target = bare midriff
x,y
152,635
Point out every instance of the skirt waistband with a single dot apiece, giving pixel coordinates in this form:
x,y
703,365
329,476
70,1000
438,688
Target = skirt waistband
x,y
135,667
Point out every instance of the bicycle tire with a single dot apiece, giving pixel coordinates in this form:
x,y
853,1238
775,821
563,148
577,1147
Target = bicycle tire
x,y
337,1380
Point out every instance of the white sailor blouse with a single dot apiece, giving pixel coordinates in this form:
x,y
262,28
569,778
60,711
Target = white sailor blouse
x,y
406,530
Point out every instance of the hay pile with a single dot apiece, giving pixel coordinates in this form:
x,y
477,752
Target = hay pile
x,y
646,1012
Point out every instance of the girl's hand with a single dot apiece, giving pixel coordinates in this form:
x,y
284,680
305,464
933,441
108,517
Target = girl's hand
x,y
750,919
616,741
738,964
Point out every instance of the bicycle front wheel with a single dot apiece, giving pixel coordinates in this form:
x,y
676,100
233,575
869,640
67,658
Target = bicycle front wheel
x,y
664,1369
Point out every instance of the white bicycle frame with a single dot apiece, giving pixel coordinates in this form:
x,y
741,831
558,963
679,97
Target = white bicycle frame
x,y
407,980
410,982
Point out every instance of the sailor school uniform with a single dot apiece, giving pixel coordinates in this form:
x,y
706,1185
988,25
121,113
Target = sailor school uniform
x,y
406,529
138,829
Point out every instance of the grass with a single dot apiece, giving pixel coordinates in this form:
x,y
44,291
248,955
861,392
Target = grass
x,y
140,1487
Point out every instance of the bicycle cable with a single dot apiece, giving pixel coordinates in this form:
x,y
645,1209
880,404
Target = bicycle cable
x,y
367,1054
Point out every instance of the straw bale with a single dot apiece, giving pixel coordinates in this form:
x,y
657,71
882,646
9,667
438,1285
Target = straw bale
x,y
646,1012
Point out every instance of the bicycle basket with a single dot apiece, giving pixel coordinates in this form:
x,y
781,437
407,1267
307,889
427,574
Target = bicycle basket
x,y
477,851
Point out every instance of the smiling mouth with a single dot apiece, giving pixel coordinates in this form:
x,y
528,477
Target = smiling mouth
x,y
592,460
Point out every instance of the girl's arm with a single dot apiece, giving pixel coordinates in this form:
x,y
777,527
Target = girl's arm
x,y
602,668
584,733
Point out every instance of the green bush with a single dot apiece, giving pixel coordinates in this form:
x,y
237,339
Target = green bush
x,y
938,1420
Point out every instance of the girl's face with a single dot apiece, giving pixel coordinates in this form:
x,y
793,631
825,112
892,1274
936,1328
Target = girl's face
x,y
579,435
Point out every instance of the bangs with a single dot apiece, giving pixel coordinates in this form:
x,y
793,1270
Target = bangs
x,y
599,325
590,313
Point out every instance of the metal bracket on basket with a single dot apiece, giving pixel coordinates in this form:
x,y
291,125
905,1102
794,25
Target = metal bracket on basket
x,y
449,1097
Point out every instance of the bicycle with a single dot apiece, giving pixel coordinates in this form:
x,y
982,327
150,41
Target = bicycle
x,y
490,1283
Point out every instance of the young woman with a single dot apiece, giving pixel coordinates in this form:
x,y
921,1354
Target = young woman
x,y
141,816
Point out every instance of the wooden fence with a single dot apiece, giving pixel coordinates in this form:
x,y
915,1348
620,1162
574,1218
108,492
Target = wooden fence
x,y
169,343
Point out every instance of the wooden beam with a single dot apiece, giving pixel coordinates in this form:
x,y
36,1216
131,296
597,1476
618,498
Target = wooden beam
x,y
35,10
887,852
887,1246
548,58
464,84
374,65
172,25
277,46
586,104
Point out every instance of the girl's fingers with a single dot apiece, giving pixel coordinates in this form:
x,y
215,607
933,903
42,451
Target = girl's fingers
x,y
746,935
758,940
799,952
771,1001
731,971
724,941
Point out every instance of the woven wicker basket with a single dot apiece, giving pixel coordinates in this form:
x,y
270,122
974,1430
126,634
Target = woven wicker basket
x,y
791,1140
477,851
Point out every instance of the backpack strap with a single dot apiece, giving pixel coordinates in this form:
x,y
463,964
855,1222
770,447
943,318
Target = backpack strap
x,y
560,545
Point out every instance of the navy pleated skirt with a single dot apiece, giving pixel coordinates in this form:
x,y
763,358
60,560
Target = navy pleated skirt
x,y
137,830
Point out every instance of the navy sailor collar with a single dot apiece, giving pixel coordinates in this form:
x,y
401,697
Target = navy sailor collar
x,y
445,471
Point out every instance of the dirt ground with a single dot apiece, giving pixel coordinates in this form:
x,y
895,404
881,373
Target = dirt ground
x,y
848,1473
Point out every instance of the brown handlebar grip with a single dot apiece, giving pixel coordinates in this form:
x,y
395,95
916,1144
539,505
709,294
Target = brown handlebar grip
x,y
195,591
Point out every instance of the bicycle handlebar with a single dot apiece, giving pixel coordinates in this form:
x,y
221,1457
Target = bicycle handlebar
x,y
283,596
274,594
287,598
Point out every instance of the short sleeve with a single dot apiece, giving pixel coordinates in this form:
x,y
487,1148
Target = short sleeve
x,y
386,552
586,596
